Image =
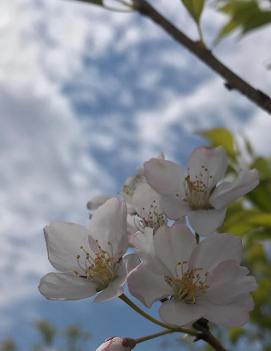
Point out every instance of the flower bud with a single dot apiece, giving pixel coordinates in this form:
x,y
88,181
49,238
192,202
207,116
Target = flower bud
x,y
117,344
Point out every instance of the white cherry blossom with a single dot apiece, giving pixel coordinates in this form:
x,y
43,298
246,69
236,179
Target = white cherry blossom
x,y
196,280
90,261
143,203
199,192
116,344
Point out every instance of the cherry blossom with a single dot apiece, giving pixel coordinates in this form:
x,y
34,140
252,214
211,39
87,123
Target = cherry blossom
x,y
89,260
117,344
194,280
143,203
200,192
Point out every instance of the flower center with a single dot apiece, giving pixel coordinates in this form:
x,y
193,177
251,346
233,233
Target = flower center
x,y
198,189
151,217
188,285
100,268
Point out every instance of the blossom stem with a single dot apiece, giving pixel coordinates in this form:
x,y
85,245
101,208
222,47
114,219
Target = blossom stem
x,y
202,326
130,303
153,336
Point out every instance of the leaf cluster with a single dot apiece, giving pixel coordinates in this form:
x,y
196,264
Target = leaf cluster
x,y
250,218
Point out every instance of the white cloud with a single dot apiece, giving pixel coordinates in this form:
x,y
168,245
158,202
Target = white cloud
x,y
49,168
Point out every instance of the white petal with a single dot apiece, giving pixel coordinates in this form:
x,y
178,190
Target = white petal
x,y
131,184
143,241
234,314
131,262
179,314
65,286
174,244
63,242
212,159
147,286
97,201
114,289
215,249
227,192
108,226
227,281
166,177
205,222
144,197
173,206
132,224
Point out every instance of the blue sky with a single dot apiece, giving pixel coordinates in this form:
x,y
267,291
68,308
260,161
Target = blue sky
x,y
86,96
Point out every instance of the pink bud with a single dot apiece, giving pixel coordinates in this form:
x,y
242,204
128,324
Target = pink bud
x,y
117,344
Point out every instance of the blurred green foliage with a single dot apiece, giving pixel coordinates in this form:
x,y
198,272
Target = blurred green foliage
x,y
72,338
244,15
250,218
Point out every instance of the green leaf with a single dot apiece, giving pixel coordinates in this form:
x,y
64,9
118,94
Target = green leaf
x,y
221,136
243,14
261,196
260,219
263,165
195,8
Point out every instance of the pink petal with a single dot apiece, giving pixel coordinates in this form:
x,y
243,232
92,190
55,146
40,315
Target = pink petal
x,y
114,344
63,242
227,192
166,177
212,159
205,222
178,313
65,286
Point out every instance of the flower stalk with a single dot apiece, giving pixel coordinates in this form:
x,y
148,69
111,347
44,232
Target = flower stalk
x,y
154,335
131,304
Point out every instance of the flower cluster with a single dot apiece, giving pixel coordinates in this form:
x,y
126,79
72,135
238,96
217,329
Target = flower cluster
x,y
170,218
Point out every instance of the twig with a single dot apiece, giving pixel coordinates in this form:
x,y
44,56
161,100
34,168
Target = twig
x,y
202,326
232,80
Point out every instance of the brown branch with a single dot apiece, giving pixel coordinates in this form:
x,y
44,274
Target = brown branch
x,y
232,80
202,326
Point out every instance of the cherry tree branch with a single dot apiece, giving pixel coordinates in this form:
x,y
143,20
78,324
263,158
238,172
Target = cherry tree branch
x,y
232,80
202,326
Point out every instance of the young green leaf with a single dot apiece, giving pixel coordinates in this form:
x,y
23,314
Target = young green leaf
x,y
221,136
195,8
245,15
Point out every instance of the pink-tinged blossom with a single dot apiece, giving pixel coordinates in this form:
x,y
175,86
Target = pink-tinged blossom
x,y
91,260
197,280
199,192
117,344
